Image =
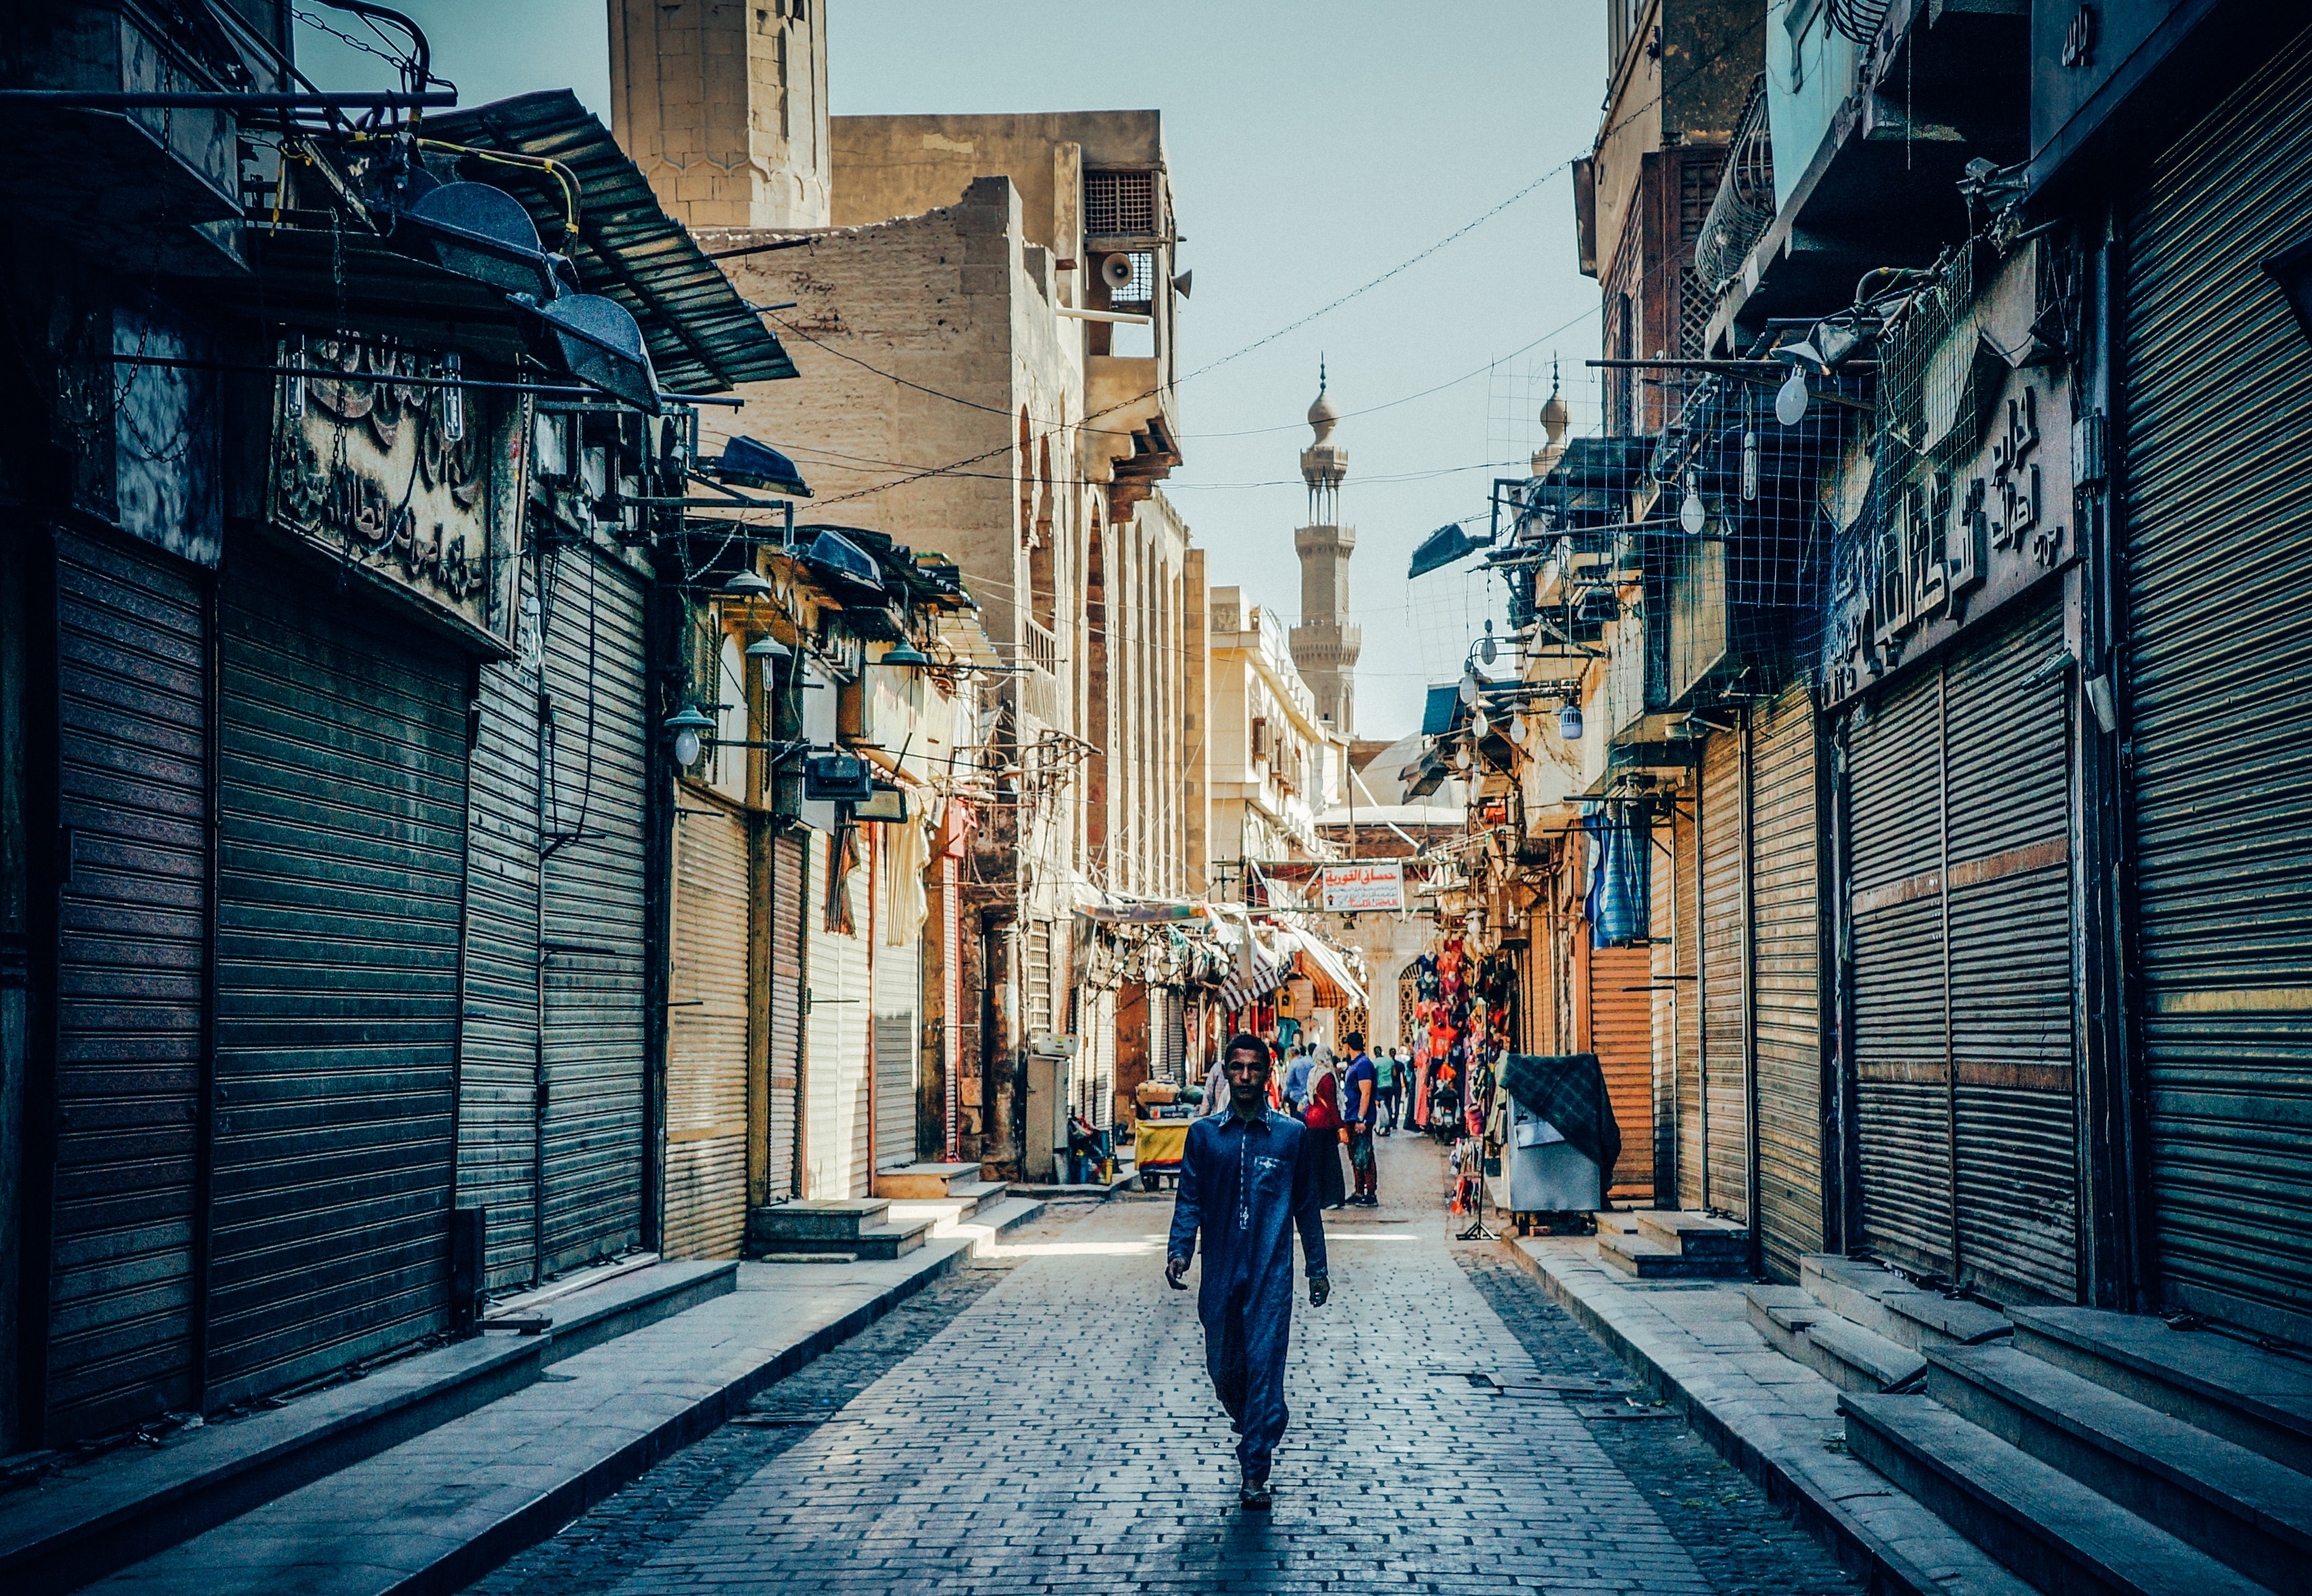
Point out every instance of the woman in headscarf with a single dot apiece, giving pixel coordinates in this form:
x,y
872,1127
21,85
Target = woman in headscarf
x,y
1324,1122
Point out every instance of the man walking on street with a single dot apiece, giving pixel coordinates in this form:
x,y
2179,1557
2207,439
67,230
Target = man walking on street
x,y
1245,1182
1357,1087
1388,1081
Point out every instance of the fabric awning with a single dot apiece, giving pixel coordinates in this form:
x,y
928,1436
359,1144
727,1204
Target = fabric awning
x,y
1335,969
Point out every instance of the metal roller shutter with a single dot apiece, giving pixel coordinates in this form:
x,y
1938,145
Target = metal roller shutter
x,y
1686,935
707,1034
1785,959
1621,1036
2218,554
951,1001
899,1038
1662,974
341,874
594,761
781,1118
1102,1097
133,719
1901,1037
1725,1109
2008,749
498,1068
836,1062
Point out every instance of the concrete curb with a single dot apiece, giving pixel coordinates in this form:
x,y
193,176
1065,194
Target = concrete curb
x,y
545,1513
1907,1552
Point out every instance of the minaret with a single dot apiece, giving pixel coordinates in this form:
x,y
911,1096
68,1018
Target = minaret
x,y
1325,645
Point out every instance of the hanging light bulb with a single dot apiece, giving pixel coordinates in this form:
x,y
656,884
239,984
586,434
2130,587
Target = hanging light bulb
x,y
686,724
1489,651
1469,689
1461,757
1569,722
1790,399
770,651
1750,450
1517,730
1481,728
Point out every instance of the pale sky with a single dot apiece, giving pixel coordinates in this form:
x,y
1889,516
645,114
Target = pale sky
x,y
1314,147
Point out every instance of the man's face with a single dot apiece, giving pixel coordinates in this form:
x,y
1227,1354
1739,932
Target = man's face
x,y
1247,1079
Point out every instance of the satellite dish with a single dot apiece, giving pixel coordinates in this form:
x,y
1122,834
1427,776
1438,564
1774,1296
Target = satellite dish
x,y
1181,284
1116,271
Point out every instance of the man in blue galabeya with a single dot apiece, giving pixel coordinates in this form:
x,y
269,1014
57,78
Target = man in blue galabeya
x,y
1247,1179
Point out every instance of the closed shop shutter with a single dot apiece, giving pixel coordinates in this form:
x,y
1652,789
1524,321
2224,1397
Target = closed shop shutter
x,y
707,1033
1667,1004
1621,1036
595,764
2008,749
498,1066
341,872
899,1038
1035,976
1726,1145
951,980
1785,947
1960,808
836,1059
134,737
781,1118
1100,1104
1903,1094
2218,554
1686,948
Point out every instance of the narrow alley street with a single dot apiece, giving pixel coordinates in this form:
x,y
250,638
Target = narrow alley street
x,y
1058,1433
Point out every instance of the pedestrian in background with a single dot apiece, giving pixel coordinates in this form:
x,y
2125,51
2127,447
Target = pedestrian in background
x,y
1324,1119
1359,1085
1389,1086
1247,1183
1296,1082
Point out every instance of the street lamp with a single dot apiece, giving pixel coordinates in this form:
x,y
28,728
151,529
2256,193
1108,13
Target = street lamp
x,y
684,726
906,656
1569,722
770,651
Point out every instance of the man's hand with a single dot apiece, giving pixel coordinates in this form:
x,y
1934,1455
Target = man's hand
x,y
1175,1272
1320,1287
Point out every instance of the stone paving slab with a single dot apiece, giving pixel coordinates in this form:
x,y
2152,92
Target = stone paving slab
x,y
439,1509
1061,1435
1778,1422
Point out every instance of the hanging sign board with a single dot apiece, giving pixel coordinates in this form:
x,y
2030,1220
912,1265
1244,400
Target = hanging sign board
x,y
416,486
1374,886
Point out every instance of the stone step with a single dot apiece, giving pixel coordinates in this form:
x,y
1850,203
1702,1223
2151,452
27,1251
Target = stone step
x,y
1696,1235
1937,1320
2252,1397
1854,1359
894,1239
2055,1532
814,1219
1888,1304
2236,1505
1650,1260
131,1505
916,1181
1782,1314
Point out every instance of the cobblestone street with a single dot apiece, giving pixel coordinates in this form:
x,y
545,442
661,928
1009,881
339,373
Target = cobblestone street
x,y
1058,1433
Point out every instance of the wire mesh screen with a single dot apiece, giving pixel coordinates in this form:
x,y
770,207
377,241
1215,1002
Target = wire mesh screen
x,y
1119,204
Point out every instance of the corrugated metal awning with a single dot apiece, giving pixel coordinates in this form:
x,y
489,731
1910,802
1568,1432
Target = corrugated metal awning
x,y
702,335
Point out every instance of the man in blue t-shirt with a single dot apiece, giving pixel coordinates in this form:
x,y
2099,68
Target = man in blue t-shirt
x,y
1358,1085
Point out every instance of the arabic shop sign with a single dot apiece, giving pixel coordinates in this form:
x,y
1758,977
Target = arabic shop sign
x,y
417,484
1367,886
1951,546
